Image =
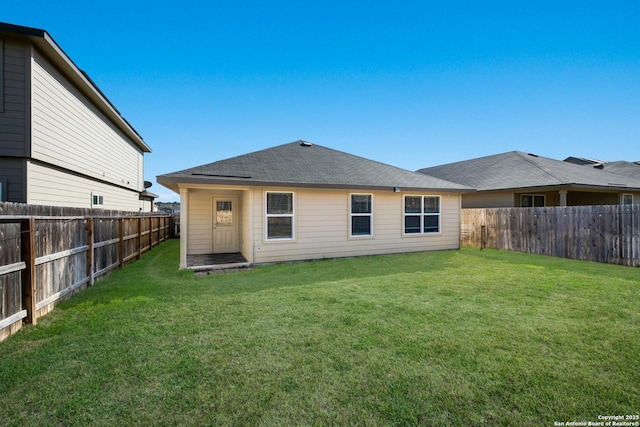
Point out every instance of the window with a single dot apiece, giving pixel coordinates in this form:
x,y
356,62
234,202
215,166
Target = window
x,y
532,201
279,216
3,190
97,200
421,214
224,213
627,199
361,212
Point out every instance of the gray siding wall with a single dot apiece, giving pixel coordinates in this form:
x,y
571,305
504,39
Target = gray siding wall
x,y
12,173
13,120
13,114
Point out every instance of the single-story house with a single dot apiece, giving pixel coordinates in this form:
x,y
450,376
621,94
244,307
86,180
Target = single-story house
x,y
517,179
302,201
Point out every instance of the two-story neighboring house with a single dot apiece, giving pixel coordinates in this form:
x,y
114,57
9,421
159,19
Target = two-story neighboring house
x,y
62,142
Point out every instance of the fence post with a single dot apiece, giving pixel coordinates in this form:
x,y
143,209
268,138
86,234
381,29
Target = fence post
x,y
121,242
150,233
139,237
28,243
90,254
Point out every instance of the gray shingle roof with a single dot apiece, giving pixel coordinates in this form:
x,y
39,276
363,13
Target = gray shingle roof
x,y
516,169
306,165
622,168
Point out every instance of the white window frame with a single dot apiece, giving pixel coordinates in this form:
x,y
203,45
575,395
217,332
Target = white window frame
x,y
97,200
422,215
533,198
267,215
352,215
623,197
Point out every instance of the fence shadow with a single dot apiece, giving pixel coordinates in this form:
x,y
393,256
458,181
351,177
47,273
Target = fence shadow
x,y
47,254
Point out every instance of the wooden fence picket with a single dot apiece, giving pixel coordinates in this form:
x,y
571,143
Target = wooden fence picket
x,y
47,254
607,234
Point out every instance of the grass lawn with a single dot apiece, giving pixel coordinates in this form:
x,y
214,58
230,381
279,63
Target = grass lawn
x,y
456,338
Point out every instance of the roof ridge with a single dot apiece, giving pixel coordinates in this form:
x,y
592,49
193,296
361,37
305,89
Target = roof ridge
x,y
526,157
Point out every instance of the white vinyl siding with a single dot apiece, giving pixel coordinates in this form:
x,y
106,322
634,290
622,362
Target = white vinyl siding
x,y
246,225
71,133
200,220
49,186
322,227
199,231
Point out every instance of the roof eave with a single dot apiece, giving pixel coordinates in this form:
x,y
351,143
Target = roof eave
x,y
174,182
50,48
565,186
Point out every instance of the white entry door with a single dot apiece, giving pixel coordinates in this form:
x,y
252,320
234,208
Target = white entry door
x,y
225,225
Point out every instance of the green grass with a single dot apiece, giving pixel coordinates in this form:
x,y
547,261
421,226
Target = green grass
x,y
463,337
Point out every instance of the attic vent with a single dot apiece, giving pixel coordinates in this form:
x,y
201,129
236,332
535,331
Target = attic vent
x,y
305,144
532,155
220,176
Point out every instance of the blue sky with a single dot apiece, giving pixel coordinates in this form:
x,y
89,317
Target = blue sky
x,y
413,84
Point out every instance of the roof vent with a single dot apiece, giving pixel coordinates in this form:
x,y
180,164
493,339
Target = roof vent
x,y
532,155
305,144
599,166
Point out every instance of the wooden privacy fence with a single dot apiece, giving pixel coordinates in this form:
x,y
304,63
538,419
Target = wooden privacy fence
x,y
46,258
607,234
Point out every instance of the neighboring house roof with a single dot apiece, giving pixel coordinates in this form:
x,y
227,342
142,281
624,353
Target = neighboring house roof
x,y
516,169
582,160
620,167
302,164
43,41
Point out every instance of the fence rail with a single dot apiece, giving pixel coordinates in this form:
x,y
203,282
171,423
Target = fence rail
x,y
47,254
607,234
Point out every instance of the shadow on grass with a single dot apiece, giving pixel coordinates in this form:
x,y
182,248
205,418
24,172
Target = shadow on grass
x,y
157,275
297,274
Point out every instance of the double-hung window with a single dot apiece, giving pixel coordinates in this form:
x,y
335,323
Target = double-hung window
x,y
361,213
421,214
627,199
279,215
